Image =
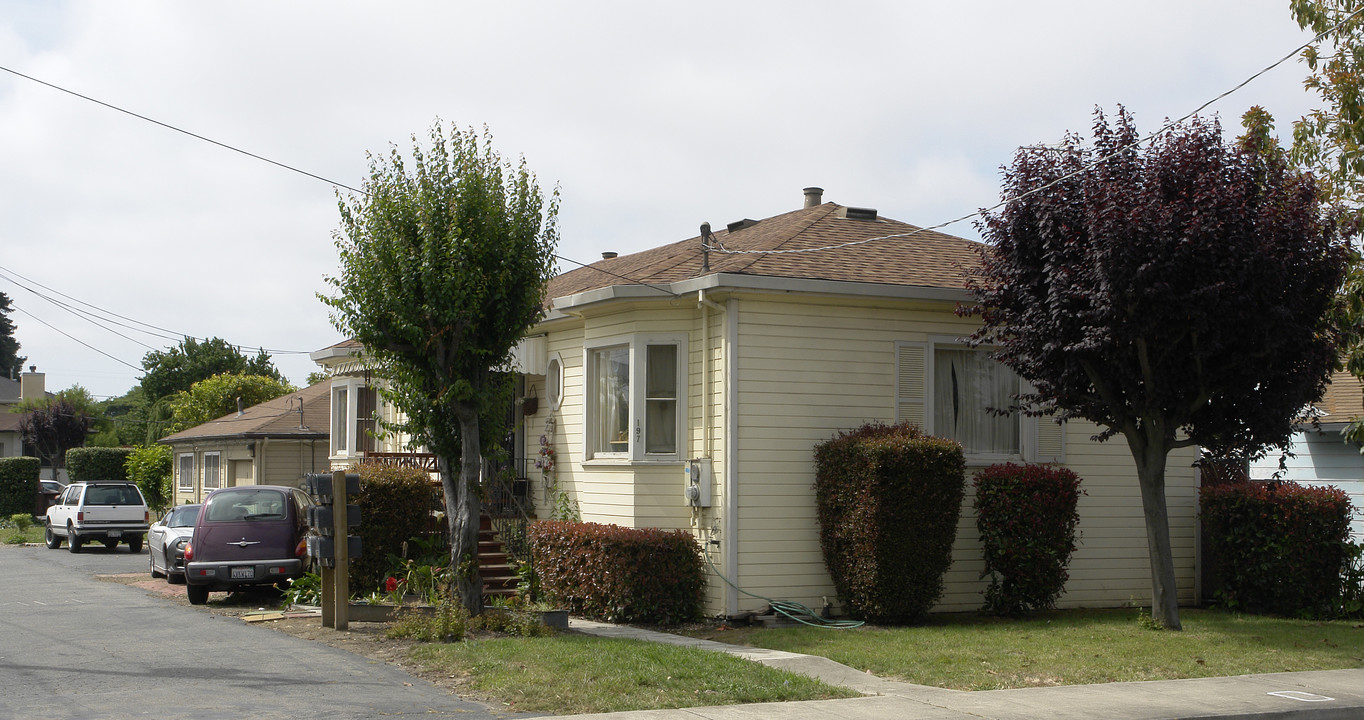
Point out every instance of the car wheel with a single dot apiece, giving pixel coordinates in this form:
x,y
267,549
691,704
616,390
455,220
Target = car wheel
x,y
175,578
53,542
73,541
198,594
151,561
135,544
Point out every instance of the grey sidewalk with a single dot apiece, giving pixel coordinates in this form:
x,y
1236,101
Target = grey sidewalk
x,y
1324,695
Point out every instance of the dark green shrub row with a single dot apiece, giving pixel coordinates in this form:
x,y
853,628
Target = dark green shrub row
x,y
618,574
395,507
18,484
1026,517
889,498
1282,548
89,464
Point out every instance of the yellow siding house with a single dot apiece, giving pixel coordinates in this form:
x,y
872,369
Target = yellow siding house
x,y
686,386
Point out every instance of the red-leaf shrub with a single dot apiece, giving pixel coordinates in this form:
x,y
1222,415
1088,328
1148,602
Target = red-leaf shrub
x,y
619,574
889,498
1283,548
1026,517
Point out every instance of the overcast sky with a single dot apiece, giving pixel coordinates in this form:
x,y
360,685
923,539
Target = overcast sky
x,y
651,119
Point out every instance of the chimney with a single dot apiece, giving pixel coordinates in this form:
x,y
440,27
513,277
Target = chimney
x,y
609,254
32,384
814,196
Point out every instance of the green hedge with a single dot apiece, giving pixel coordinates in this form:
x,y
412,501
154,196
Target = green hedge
x,y
889,499
618,574
1026,517
395,506
18,484
1282,548
89,464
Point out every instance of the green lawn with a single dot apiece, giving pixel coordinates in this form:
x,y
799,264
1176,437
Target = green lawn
x,y
1073,647
572,674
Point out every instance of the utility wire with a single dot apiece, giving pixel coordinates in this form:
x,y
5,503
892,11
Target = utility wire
x,y
1082,169
82,342
168,126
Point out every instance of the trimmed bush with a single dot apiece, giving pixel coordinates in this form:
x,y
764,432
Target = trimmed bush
x,y
18,484
395,507
889,499
90,464
1283,548
150,467
1026,517
618,574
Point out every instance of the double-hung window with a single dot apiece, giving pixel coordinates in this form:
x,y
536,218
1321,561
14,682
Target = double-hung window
x,y
212,470
956,392
636,390
184,481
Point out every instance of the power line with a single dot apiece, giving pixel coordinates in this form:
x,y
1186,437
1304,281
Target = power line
x,y
168,126
72,337
720,248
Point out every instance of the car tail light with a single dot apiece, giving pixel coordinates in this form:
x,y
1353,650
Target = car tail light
x,y
147,516
189,552
302,548
80,516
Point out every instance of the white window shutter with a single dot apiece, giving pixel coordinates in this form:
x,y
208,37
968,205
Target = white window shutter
x,y
911,369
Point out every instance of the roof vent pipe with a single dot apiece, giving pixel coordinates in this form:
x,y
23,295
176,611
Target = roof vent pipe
x,y
240,409
706,239
814,196
609,254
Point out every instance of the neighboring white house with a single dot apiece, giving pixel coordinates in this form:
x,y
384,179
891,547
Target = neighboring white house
x,y
744,356
273,443
1321,456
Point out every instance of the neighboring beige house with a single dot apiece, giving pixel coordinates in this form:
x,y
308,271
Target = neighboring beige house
x,y
357,408
31,384
745,360
273,443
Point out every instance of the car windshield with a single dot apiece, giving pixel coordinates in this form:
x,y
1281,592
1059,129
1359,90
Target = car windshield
x,y
183,516
112,495
246,505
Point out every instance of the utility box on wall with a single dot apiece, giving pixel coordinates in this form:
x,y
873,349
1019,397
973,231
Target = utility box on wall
x,y
697,489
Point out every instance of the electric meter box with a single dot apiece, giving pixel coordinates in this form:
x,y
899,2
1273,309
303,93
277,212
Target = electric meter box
x,y
697,489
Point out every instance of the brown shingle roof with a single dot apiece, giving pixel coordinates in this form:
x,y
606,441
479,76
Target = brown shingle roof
x,y
278,418
1343,400
925,259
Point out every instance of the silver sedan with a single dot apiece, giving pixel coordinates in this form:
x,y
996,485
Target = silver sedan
x,y
166,540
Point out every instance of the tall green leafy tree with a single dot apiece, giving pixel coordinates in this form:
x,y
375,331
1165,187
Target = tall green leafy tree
x,y
176,369
11,362
1176,296
217,396
1329,140
443,268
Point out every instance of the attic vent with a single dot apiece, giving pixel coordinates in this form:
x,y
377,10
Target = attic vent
x,y
741,224
607,255
861,213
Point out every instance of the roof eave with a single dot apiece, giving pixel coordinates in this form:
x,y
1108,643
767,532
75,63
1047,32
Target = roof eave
x,y
566,305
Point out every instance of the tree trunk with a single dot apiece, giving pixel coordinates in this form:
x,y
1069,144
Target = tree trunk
x,y
463,510
1150,458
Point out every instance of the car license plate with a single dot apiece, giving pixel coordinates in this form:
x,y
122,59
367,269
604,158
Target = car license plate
x,y
243,573
115,533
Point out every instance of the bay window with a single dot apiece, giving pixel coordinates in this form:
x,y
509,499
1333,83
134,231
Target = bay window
x,y
636,397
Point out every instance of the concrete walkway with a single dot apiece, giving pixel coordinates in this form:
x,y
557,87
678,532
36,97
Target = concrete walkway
x,y
1324,695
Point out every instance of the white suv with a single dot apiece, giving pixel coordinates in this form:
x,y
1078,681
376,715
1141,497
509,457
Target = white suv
x,y
105,512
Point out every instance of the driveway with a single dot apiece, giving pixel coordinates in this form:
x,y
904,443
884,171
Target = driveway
x,y
72,646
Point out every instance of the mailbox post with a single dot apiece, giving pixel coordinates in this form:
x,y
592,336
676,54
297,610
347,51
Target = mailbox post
x,y
331,519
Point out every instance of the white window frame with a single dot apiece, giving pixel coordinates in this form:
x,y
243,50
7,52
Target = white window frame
x,y
930,403
217,475
554,381
637,346
342,410
184,481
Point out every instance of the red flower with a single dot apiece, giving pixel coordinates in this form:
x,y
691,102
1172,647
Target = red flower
x,y
391,584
